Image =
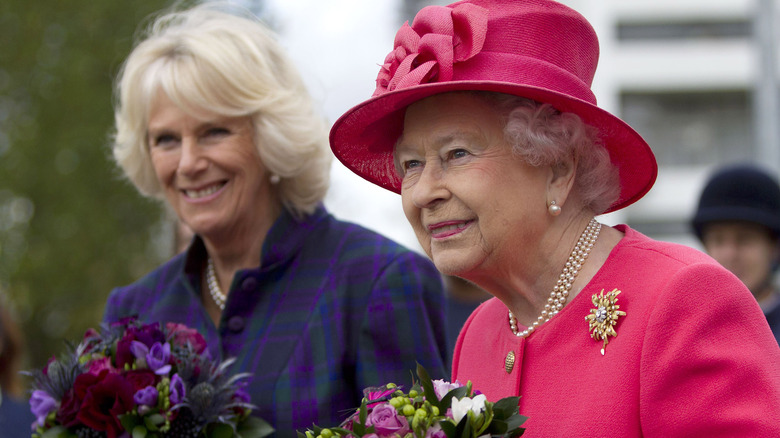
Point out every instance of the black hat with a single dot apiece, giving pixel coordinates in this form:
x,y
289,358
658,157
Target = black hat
x,y
743,193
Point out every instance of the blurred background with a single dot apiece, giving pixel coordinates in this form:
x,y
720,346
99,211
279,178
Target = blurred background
x,y
697,78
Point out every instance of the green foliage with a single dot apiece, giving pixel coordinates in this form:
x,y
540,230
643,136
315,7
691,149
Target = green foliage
x,y
254,427
419,412
70,228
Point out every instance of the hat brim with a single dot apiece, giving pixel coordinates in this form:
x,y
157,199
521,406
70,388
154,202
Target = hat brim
x,y
751,215
363,138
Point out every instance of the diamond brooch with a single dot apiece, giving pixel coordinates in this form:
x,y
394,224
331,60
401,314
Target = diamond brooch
x,y
603,318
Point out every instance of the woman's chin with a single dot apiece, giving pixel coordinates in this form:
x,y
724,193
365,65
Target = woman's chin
x,y
456,266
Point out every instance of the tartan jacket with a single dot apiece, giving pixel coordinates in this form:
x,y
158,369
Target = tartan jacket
x,y
332,309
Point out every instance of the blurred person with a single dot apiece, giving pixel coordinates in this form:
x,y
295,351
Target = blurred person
x,y
213,118
484,121
15,415
738,223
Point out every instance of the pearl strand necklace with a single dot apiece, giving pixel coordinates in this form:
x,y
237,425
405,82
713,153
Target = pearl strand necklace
x,y
561,290
214,290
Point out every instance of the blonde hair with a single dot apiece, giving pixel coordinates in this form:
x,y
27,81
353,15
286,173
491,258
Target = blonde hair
x,y
208,59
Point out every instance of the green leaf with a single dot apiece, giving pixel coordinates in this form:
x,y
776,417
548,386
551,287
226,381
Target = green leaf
x,y
254,427
506,407
153,422
516,421
220,430
446,401
139,432
58,432
497,427
464,427
514,433
129,421
450,429
427,385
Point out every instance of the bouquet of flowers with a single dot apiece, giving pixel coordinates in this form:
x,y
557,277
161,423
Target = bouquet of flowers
x,y
431,409
141,381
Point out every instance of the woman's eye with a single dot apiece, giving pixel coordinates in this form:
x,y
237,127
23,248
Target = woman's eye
x,y
164,140
217,132
458,153
411,164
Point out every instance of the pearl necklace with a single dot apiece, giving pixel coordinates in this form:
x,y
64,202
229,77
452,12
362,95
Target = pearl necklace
x,y
214,290
561,290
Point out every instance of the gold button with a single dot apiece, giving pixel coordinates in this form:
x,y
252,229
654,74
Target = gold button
x,y
509,363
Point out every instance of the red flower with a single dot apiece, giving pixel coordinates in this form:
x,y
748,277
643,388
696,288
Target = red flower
x,y
104,401
180,334
141,378
69,408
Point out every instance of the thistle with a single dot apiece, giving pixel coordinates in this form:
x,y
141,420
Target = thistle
x,y
60,374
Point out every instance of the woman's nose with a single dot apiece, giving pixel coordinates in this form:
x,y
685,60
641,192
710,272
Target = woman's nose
x,y
191,160
430,188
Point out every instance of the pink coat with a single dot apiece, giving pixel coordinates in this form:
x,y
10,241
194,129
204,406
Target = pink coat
x,y
693,356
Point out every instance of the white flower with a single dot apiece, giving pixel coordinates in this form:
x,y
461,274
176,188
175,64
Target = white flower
x,y
460,408
442,387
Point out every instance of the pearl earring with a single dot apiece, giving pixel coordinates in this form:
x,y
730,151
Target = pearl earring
x,y
275,179
554,209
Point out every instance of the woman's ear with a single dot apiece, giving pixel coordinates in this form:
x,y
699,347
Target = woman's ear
x,y
562,180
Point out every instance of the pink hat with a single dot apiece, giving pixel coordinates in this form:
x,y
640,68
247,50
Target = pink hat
x,y
537,49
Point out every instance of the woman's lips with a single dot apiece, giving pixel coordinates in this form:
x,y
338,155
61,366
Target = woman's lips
x,y
205,193
446,229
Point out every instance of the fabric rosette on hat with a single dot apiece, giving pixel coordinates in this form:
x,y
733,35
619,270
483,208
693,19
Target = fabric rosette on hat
x,y
505,46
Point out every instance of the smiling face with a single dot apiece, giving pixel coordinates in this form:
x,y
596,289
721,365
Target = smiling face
x,y
474,205
209,169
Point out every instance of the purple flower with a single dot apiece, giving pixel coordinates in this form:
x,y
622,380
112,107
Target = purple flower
x,y
442,387
177,389
146,396
435,431
156,358
41,404
386,421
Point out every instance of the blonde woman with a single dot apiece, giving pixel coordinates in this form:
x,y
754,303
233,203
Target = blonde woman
x,y
213,118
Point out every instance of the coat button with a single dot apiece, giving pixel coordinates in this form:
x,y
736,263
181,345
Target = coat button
x,y
236,324
509,362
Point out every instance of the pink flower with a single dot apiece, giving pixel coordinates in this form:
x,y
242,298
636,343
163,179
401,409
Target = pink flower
x,y
98,365
386,421
180,334
378,393
435,431
442,387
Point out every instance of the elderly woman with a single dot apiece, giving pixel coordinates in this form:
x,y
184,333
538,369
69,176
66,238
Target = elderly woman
x,y
484,121
213,118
